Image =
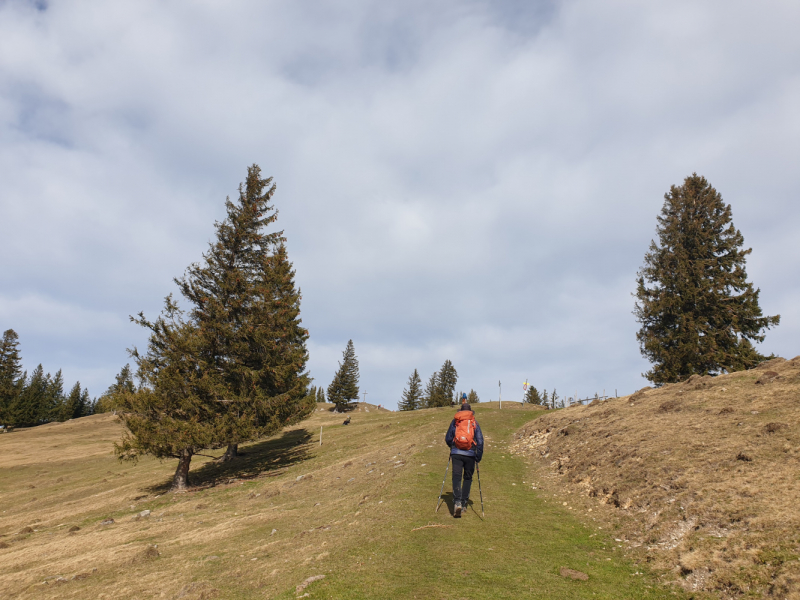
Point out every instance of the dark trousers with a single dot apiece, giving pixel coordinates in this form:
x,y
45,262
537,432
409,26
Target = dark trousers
x,y
462,465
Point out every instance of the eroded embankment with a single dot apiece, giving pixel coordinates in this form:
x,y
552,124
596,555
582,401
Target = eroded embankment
x,y
701,476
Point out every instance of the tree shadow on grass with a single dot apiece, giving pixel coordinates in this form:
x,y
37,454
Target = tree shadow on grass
x,y
265,458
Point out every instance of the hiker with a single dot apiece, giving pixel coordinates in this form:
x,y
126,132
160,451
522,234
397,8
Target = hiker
x,y
466,448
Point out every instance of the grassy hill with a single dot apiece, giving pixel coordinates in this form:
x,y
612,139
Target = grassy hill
x,y
358,510
699,479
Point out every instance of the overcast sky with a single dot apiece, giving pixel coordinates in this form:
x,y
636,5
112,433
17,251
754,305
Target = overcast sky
x,y
457,180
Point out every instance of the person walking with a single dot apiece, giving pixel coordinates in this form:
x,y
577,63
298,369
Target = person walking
x,y
465,439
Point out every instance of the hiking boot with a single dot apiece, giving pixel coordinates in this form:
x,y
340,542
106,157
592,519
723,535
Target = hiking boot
x,y
457,511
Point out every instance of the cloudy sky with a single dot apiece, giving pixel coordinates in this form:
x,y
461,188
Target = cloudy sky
x,y
469,180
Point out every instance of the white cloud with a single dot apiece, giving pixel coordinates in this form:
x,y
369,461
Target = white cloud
x,y
473,181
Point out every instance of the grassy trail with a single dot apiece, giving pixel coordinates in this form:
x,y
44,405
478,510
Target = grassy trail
x,y
515,552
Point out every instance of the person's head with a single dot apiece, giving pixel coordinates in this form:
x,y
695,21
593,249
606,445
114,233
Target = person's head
x,y
466,406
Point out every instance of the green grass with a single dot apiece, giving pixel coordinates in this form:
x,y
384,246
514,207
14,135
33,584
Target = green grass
x,y
353,516
515,552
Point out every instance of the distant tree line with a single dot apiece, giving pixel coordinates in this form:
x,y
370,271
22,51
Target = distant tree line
x,y
439,391
38,398
533,396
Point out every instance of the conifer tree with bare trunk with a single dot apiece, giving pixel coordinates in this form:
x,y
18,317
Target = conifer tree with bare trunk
x,y
240,348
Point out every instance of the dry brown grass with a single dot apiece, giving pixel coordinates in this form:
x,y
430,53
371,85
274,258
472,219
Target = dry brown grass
x,y
250,528
700,477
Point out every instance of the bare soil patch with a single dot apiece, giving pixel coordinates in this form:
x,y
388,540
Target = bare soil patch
x,y
700,478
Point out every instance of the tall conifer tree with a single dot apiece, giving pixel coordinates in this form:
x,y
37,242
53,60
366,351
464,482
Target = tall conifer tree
x,y
472,397
11,380
446,381
174,414
698,312
54,398
412,396
123,383
320,395
73,407
241,347
344,387
432,391
31,404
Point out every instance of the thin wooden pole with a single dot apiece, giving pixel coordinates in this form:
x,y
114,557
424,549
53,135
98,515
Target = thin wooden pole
x,y
320,435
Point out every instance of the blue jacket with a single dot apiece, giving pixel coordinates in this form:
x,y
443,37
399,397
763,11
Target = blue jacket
x,y
477,447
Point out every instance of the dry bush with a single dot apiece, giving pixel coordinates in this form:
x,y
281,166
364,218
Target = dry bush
x,y
700,476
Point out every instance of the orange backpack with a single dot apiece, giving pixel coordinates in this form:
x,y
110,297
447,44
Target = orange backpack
x,y
465,430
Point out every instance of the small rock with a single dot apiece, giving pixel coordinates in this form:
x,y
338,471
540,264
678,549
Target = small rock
x,y
144,513
274,531
107,522
73,529
573,574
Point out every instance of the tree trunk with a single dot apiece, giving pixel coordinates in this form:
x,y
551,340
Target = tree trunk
x,y
181,479
231,452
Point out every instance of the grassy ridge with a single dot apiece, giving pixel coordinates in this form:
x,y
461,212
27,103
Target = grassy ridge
x,y
290,509
700,476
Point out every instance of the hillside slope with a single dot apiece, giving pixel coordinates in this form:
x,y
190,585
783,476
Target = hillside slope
x,y
358,510
701,476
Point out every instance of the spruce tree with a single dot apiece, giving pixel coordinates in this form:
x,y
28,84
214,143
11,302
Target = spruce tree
x,y
11,380
54,398
532,396
431,395
446,381
174,413
232,368
545,398
554,398
344,387
320,395
247,310
472,397
412,396
698,313
31,406
73,408
123,383
86,405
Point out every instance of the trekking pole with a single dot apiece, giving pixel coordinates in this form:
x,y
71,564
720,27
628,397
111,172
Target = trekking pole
x,y
478,466
439,500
